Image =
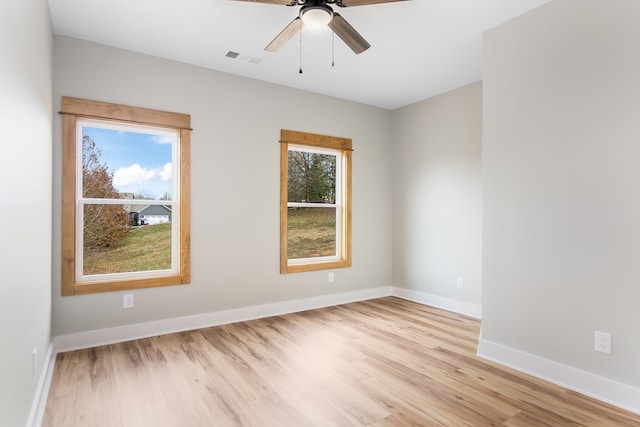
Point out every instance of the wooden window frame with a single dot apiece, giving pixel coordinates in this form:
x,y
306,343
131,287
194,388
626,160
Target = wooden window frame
x,y
344,145
74,109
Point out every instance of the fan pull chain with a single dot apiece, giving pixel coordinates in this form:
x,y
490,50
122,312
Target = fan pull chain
x,y
300,47
333,48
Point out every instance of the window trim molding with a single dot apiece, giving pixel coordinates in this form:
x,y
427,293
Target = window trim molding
x,y
320,141
76,108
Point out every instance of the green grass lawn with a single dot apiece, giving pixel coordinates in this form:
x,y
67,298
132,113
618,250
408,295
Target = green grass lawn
x,y
144,249
311,232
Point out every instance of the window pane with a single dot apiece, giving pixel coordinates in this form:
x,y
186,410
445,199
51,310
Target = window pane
x,y
126,162
312,177
116,242
311,232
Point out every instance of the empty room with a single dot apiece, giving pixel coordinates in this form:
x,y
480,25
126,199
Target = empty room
x,y
320,213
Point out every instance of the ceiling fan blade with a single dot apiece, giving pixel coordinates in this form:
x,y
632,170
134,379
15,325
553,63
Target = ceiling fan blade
x,y
349,3
348,34
282,2
285,35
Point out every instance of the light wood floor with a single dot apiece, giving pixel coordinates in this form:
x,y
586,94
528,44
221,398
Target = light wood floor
x,y
385,362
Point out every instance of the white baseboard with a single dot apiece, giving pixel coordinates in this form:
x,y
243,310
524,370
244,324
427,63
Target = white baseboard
x,y
118,334
615,393
460,307
42,390
618,394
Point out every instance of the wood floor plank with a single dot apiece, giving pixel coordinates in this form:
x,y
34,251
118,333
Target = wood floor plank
x,y
378,363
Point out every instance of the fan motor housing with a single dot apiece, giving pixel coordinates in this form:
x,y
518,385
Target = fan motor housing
x,y
317,13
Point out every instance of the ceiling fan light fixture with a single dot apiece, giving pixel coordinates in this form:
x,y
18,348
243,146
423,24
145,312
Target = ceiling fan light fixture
x,y
316,16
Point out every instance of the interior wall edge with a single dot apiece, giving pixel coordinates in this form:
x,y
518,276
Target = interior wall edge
x,y
42,390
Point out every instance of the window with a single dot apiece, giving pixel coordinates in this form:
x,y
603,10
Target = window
x,y
315,202
125,197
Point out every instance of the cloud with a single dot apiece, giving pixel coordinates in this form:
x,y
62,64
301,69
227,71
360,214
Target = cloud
x,y
163,139
165,173
133,174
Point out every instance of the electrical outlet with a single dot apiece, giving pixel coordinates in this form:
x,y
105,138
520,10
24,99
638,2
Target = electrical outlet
x,y
127,301
460,282
34,362
332,277
603,342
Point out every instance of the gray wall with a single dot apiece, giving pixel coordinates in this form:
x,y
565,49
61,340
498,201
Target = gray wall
x,y
437,195
561,200
234,184
25,170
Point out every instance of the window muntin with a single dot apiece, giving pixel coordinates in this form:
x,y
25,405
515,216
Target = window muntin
x,y
156,259
315,202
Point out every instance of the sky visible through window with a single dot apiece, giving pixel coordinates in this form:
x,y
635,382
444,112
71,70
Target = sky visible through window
x,y
140,162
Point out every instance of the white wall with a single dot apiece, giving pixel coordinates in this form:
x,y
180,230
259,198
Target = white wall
x,y
437,196
561,182
235,184
25,170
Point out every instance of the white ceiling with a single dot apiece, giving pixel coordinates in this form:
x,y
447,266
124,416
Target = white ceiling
x,y
419,48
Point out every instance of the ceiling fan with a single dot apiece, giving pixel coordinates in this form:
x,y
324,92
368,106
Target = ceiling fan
x,y
319,12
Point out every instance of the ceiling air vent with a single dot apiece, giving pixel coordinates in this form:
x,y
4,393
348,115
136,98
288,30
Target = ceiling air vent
x,y
242,57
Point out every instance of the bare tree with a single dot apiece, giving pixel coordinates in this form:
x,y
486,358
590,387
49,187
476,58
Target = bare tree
x,y
312,177
104,225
